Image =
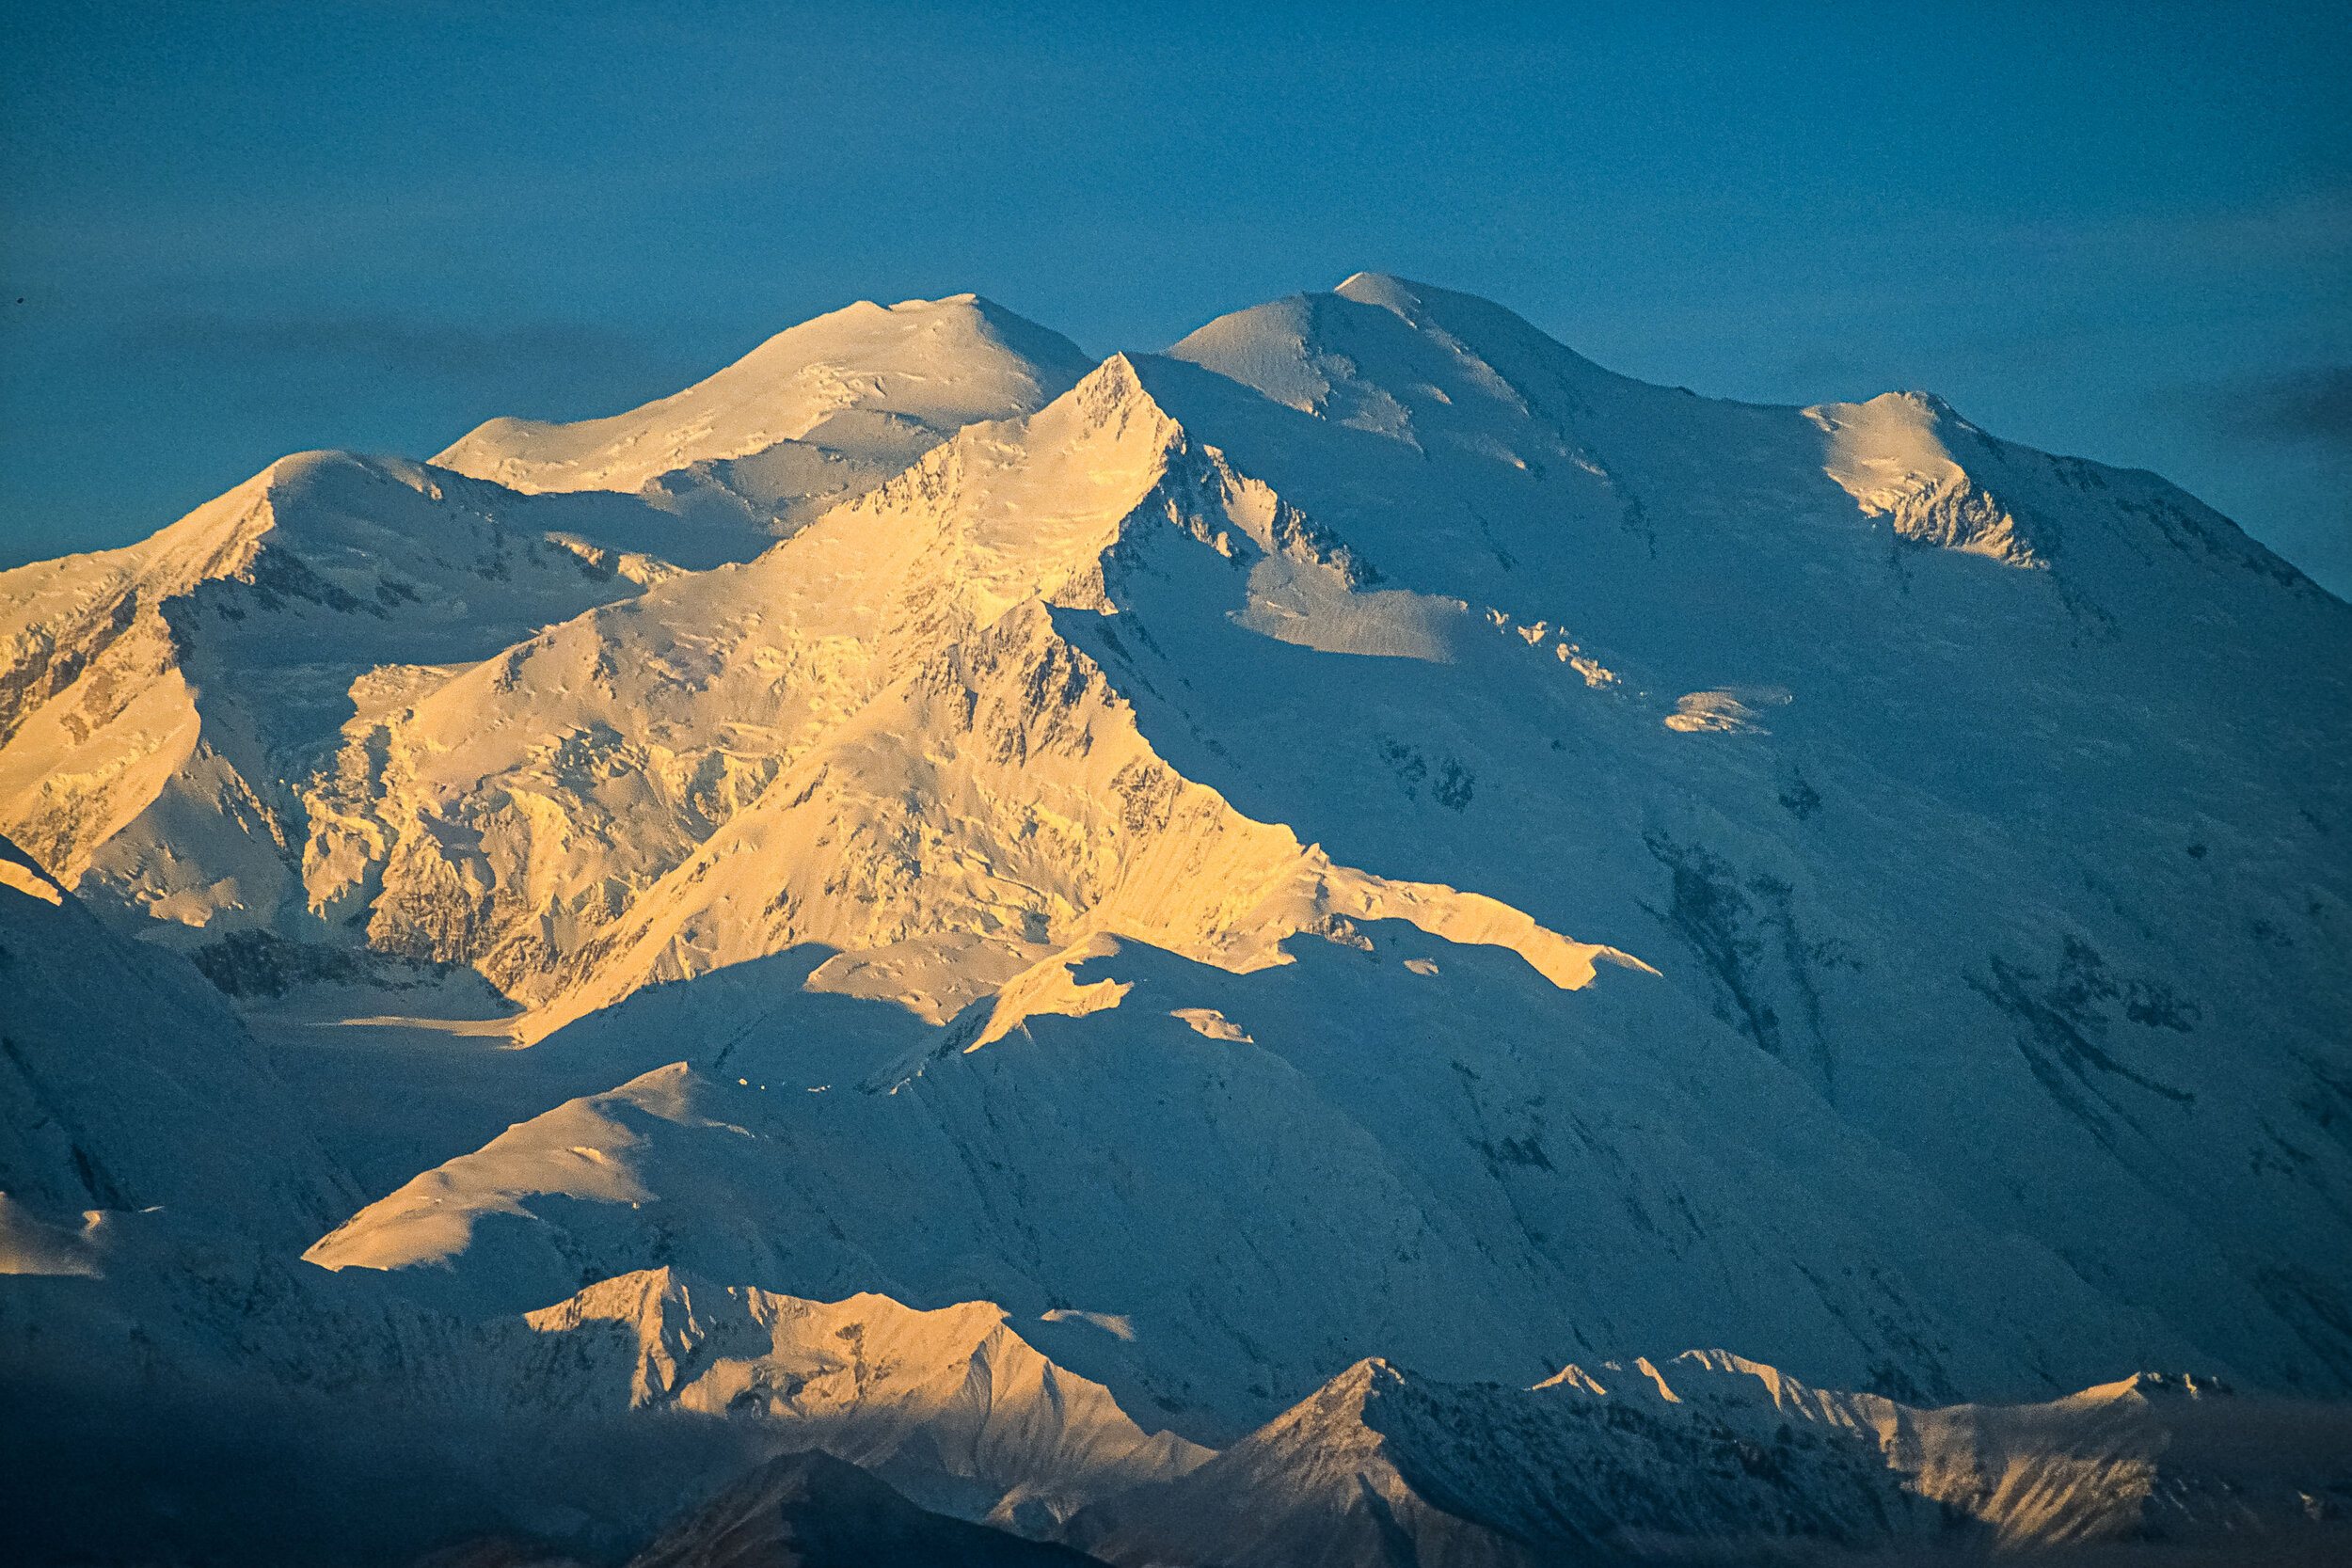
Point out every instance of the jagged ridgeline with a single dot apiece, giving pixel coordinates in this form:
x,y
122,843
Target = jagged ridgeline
x,y
931,935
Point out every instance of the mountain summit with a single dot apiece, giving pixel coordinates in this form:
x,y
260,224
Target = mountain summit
x,y
1366,835
818,412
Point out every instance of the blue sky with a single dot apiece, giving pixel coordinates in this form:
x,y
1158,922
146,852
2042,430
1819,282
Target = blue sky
x,y
238,230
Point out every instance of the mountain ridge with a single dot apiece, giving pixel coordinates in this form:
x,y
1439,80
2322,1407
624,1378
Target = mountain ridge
x,y
1364,841
832,385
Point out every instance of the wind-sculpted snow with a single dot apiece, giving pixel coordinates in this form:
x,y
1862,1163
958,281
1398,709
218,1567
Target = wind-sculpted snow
x,y
1889,455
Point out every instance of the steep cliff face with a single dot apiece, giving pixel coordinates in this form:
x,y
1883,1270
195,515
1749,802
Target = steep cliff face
x,y
977,793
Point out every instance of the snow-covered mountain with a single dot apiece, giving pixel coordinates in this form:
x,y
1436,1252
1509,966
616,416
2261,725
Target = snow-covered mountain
x,y
819,413
1134,1161
1716,1458
176,712
1363,836
221,726
925,368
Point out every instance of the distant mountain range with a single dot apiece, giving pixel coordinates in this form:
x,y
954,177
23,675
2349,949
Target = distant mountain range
x,y
1143,953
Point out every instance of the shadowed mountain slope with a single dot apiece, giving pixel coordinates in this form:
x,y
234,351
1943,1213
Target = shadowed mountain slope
x,y
813,1511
